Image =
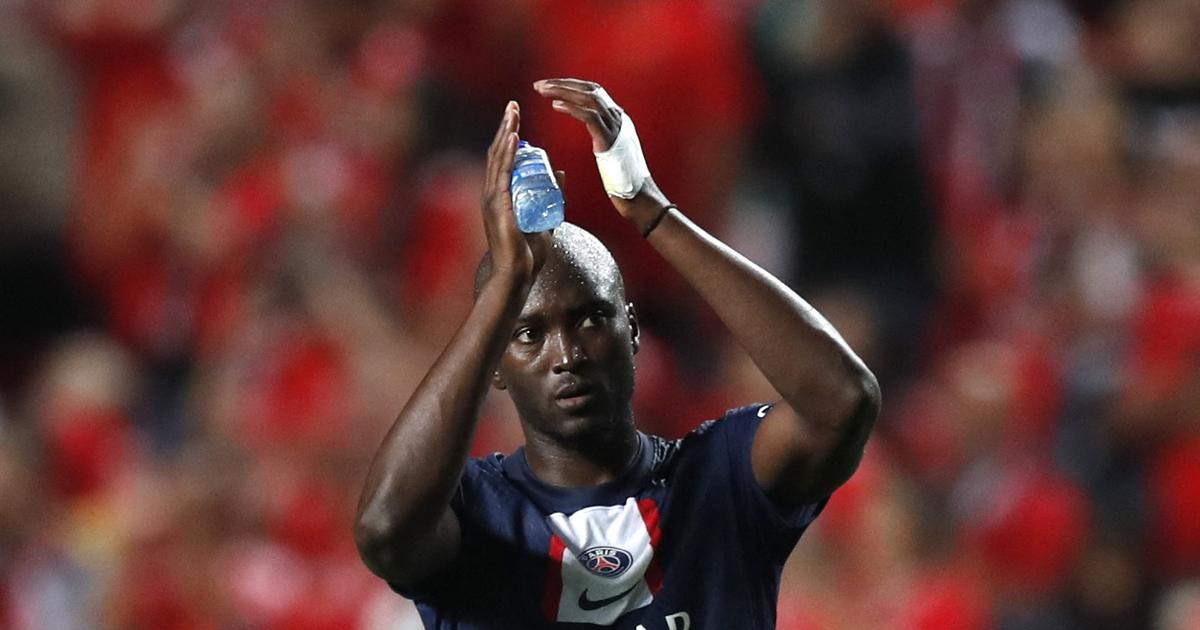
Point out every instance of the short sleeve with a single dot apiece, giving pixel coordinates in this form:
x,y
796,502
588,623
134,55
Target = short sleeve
x,y
780,524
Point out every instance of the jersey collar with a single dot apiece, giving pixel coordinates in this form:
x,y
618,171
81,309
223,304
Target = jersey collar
x,y
568,500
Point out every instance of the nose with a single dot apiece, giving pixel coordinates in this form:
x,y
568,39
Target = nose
x,y
567,355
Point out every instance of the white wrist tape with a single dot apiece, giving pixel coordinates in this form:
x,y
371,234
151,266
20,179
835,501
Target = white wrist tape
x,y
623,167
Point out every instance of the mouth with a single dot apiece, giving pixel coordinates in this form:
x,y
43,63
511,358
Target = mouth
x,y
575,396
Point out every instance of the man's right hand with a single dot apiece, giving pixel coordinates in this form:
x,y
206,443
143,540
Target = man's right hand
x,y
513,251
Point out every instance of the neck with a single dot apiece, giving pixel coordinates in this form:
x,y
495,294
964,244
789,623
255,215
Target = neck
x,y
598,459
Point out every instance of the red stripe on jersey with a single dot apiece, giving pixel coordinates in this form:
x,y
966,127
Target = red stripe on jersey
x,y
554,582
654,574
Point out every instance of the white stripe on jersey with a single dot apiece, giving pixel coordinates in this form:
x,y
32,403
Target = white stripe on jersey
x,y
584,593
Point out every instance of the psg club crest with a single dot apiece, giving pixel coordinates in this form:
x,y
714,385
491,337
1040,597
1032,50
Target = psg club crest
x,y
608,562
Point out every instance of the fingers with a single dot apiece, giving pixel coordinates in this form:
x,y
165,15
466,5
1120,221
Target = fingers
x,y
509,125
603,128
587,102
509,108
504,162
577,91
594,97
587,115
578,84
561,178
540,244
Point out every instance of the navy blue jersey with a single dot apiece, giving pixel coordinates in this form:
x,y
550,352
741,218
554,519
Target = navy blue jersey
x,y
686,539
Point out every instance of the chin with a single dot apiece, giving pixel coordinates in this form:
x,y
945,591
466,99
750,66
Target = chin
x,y
582,424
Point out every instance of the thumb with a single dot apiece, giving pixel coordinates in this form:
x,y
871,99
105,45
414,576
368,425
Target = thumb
x,y
539,245
561,178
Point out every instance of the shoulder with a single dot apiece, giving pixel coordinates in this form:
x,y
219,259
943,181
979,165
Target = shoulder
x,y
486,466
712,437
481,477
733,424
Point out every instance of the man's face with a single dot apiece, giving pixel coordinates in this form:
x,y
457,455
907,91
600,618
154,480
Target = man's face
x,y
569,362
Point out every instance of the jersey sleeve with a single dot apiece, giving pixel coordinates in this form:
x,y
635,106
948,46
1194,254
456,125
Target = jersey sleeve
x,y
779,525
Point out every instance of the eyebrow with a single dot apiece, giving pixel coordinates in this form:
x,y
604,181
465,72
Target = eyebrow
x,y
532,318
592,305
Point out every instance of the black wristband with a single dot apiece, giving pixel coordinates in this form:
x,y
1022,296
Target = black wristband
x,y
658,219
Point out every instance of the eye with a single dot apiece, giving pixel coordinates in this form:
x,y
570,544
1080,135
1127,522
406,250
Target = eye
x,y
593,319
527,335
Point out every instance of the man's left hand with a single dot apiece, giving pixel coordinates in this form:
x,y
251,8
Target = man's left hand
x,y
590,104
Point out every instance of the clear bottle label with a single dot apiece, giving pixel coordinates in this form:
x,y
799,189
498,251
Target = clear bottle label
x,y
537,200
533,167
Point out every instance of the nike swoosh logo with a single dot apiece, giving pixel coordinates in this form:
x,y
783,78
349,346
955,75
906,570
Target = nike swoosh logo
x,y
594,604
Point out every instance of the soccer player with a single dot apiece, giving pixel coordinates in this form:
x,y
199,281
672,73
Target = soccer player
x,y
592,521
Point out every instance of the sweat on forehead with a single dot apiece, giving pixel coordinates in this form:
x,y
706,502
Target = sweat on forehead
x,y
574,251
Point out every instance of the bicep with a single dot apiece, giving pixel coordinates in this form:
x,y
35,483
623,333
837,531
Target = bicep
x,y
796,460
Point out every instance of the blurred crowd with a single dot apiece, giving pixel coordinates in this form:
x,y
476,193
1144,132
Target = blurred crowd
x,y
234,234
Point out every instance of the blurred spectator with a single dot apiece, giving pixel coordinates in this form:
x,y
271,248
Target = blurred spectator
x,y
233,236
841,133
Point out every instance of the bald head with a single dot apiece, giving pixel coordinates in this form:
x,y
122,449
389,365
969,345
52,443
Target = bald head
x,y
576,251
574,325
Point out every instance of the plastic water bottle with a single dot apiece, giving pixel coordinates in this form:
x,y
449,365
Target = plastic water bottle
x,y
537,200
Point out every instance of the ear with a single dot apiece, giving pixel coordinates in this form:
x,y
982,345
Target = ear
x,y
634,330
498,382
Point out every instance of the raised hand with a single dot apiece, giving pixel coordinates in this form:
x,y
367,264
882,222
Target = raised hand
x,y
590,104
511,250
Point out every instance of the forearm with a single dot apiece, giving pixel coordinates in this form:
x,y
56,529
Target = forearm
x,y
806,448
797,350
418,465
